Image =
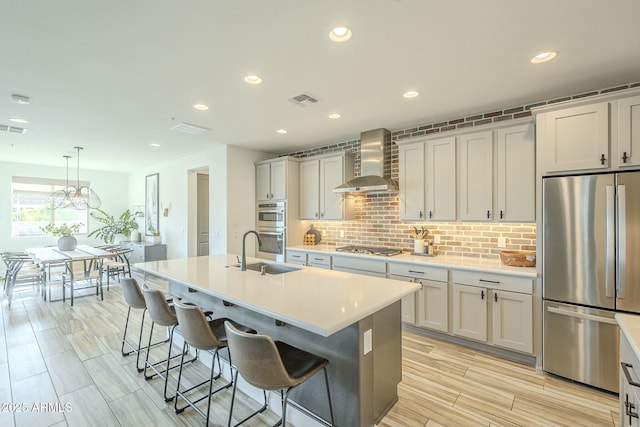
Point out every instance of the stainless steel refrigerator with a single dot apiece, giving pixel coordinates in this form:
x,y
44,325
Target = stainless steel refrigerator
x,y
591,270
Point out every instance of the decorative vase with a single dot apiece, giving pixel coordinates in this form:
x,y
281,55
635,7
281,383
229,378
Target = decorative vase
x,y
418,246
156,240
67,243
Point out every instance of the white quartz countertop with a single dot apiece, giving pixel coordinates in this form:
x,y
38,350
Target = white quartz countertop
x,y
630,327
317,300
443,261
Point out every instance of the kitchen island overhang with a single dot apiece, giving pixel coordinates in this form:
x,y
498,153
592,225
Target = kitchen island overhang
x,y
352,320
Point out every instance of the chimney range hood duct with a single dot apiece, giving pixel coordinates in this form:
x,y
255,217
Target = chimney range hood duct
x,y
375,160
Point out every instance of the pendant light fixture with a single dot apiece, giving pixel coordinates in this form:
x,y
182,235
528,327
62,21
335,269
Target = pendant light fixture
x,y
78,197
62,198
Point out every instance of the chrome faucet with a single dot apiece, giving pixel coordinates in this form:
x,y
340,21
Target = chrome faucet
x,y
243,261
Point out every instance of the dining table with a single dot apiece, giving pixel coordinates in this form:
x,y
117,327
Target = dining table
x,y
51,256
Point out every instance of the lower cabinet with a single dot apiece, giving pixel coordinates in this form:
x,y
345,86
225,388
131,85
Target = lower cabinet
x,y
470,312
145,252
427,307
296,257
509,319
433,305
629,393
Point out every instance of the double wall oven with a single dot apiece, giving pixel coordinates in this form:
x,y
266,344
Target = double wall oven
x,y
271,225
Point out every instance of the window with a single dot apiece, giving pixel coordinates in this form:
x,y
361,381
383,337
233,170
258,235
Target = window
x,y
32,207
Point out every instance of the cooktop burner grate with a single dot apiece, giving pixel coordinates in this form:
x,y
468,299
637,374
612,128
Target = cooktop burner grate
x,y
367,250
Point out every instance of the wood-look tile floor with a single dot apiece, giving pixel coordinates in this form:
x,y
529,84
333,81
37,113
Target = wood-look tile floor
x,y
69,359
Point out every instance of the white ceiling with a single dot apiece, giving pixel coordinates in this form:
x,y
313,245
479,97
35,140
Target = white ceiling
x,y
113,76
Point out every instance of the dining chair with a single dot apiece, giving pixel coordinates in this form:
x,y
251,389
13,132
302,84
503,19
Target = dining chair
x,y
21,271
82,274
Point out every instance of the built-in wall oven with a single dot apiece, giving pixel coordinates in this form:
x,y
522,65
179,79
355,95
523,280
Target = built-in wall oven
x,y
271,225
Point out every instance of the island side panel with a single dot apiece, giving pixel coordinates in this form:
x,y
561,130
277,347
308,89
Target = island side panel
x,y
387,359
342,349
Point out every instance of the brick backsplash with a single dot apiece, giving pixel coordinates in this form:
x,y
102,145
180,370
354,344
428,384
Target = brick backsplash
x,y
377,221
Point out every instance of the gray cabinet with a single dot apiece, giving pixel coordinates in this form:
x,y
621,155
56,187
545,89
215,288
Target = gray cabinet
x,y
145,252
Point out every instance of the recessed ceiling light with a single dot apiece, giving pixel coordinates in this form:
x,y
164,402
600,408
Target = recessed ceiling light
x,y
253,79
543,57
340,34
18,120
411,94
335,115
153,144
281,131
201,107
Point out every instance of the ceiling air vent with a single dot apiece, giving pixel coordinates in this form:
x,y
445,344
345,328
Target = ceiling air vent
x,y
303,100
189,128
12,129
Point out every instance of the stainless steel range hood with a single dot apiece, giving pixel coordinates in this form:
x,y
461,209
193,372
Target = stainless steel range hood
x,y
375,165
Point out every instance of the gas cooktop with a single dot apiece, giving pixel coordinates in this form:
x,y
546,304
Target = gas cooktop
x,y
367,250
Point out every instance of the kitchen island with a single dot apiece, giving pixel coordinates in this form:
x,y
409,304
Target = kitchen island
x,y
352,320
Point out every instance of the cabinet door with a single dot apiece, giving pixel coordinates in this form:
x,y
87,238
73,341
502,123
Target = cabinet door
x,y
441,179
476,176
512,321
411,175
516,158
470,312
279,180
263,181
577,138
407,303
309,184
433,305
629,131
331,176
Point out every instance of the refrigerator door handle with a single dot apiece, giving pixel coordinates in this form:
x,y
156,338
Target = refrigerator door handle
x,y
610,266
622,241
584,316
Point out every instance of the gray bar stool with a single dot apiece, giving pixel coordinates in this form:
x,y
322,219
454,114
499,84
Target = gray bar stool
x,y
272,365
207,335
161,313
135,300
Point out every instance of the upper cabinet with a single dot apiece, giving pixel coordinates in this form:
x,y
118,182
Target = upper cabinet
x,y
441,179
576,138
411,171
515,189
475,172
479,176
274,178
580,137
629,131
318,178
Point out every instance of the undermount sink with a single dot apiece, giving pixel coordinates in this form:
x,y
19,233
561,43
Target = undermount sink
x,y
271,268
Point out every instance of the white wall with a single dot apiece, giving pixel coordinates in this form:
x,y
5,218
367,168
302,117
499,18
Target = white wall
x,y
231,198
112,188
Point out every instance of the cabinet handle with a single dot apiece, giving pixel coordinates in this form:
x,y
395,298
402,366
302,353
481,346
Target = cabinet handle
x,y
629,409
266,196
296,256
602,159
321,214
488,214
625,368
420,214
316,214
416,272
318,259
501,215
430,215
495,296
624,157
482,294
495,282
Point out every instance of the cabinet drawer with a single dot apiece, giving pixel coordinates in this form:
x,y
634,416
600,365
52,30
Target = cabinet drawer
x,y
493,281
318,259
296,257
418,271
364,264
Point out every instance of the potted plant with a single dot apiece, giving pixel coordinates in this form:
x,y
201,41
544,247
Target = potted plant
x,y
112,226
66,241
